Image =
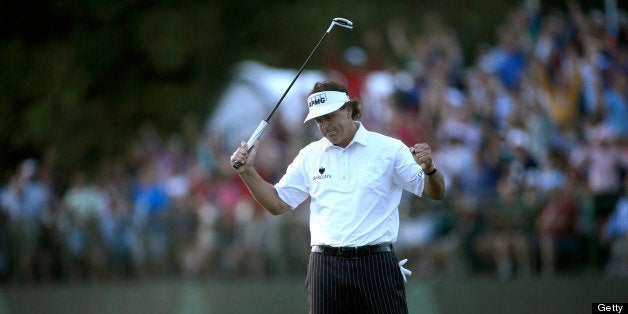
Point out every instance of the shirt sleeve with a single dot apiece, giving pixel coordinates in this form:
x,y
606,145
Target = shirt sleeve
x,y
293,187
408,174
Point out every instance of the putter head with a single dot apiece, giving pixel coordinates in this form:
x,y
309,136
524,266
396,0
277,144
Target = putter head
x,y
342,22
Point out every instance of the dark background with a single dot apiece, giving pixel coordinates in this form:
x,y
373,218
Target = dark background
x,y
79,78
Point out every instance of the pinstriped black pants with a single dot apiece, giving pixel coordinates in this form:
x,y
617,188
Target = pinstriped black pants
x,y
370,284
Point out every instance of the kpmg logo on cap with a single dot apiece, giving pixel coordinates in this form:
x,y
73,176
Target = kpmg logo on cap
x,y
317,100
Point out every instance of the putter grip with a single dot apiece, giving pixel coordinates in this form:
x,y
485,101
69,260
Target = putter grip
x,y
261,127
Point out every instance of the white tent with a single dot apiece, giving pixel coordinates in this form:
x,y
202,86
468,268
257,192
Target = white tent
x,y
254,90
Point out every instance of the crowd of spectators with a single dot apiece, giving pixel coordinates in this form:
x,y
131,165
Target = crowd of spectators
x,y
531,135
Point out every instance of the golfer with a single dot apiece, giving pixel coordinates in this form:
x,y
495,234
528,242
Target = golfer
x,y
354,179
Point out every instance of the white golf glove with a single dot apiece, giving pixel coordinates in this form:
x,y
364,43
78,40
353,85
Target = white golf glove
x,y
404,272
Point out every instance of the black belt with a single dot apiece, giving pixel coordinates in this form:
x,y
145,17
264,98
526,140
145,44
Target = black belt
x,y
352,252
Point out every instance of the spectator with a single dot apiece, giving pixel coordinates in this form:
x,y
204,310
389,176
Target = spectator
x,y
27,198
616,233
616,103
603,162
556,227
511,220
84,206
150,215
115,225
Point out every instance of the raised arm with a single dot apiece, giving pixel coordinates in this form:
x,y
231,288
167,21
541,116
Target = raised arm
x,y
263,192
434,184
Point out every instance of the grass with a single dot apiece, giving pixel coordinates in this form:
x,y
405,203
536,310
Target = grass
x,y
483,294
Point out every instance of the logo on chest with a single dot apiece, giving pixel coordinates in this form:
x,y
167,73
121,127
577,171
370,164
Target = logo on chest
x,y
321,175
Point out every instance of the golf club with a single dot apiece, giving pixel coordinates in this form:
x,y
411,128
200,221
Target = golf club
x,y
264,123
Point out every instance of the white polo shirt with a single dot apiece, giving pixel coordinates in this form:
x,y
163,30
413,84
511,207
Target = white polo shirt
x,y
355,191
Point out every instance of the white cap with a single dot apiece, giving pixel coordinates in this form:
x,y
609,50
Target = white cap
x,y
325,102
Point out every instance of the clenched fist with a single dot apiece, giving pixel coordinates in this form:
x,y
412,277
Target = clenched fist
x,y
244,156
422,154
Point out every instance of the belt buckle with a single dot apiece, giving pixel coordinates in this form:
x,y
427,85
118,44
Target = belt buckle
x,y
348,252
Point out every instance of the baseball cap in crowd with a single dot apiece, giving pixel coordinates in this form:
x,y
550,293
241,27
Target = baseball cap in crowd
x,y
325,102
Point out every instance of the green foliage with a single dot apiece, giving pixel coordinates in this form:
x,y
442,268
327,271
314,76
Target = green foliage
x,y
80,77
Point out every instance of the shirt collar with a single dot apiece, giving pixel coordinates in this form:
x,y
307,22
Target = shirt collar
x,y
360,137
